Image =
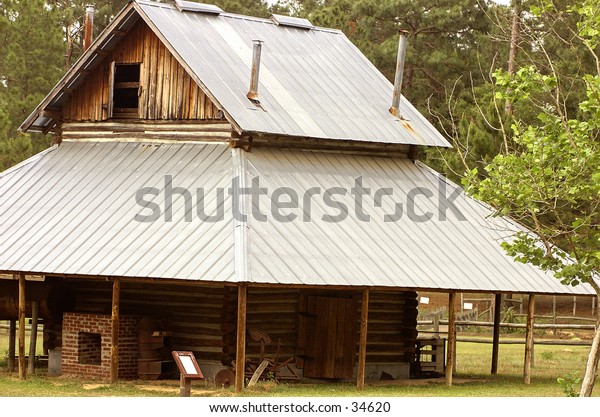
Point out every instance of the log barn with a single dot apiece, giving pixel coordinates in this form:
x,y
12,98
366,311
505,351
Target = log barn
x,y
141,226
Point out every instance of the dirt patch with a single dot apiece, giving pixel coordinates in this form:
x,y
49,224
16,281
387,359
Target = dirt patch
x,y
159,388
93,386
425,381
175,391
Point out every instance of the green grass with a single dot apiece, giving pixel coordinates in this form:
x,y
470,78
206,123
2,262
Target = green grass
x,y
472,379
4,346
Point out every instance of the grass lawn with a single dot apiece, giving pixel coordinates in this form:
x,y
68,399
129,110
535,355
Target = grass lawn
x,y
472,379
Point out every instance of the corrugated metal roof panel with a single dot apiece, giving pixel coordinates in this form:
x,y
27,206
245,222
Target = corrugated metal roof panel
x,y
313,83
448,254
71,211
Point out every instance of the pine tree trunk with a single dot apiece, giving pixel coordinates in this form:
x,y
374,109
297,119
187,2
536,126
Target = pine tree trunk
x,y
591,368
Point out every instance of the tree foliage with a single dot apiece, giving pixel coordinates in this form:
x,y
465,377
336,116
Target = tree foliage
x,y
550,179
30,61
552,183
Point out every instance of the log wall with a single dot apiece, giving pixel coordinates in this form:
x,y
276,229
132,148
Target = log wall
x,y
166,91
392,326
203,318
143,130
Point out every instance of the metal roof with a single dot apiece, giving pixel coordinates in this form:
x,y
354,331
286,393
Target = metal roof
x,y
70,211
313,83
449,254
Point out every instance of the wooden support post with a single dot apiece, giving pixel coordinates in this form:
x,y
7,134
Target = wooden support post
x,y
114,337
496,337
529,341
35,307
454,368
451,338
240,353
554,313
185,386
362,347
22,364
12,339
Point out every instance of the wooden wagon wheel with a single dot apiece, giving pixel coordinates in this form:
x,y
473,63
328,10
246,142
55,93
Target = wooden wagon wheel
x,y
224,378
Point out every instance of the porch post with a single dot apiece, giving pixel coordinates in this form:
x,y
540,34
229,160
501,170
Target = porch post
x,y
33,336
240,352
362,348
22,367
496,337
114,344
529,340
12,338
451,338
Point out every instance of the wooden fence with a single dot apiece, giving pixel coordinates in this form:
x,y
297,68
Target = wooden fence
x,y
436,323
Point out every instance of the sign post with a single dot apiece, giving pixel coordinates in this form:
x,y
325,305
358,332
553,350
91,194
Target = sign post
x,y
188,369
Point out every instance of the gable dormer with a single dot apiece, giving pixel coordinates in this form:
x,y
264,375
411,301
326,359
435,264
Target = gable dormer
x,y
172,65
139,79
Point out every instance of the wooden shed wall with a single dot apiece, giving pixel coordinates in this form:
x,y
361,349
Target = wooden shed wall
x,y
166,91
193,313
203,319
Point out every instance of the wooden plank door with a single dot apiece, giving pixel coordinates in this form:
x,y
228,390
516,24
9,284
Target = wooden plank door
x,y
328,336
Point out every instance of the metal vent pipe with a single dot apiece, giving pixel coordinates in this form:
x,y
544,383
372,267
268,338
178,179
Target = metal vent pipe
x,y
256,51
402,43
88,26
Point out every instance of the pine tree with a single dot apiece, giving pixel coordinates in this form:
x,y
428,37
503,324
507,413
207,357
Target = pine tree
x,y
30,64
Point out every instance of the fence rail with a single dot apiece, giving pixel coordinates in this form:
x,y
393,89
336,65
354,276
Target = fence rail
x,y
558,326
555,342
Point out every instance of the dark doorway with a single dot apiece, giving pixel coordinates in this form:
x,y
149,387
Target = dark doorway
x,y
126,90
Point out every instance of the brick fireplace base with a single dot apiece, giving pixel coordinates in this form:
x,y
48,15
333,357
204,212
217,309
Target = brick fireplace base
x,y
86,343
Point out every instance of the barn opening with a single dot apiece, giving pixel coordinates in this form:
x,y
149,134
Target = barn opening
x,y
126,90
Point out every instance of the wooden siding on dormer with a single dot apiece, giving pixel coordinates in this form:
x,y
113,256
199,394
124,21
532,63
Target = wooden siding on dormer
x,y
167,92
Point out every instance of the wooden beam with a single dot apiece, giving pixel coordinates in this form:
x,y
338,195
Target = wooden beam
x,y
51,114
111,88
496,337
451,338
240,352
12,338
22,367
529,341
362,347
35,308
114,345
